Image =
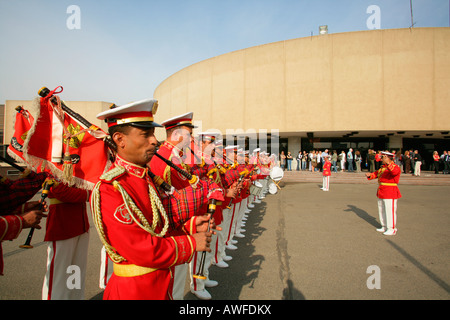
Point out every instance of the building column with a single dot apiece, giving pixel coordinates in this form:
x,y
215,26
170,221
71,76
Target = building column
x,y
294,146
395,142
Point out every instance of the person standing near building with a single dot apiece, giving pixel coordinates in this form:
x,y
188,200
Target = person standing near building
x,y
417,163
446,160
283,160
299,160
436,160
358,161
289,161
334,158
378,160
413,165
407,162
319,160
350,160
342,158
371,160
304,160
326,172
388,193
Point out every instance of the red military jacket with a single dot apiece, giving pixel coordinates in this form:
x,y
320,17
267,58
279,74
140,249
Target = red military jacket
x,y
326,169
388,178
10,228
67,214
137,246
245,191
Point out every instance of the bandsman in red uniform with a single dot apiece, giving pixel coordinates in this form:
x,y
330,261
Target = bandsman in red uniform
x,y
12,223
326,173
243,168
220,258
67,235
232,209
388,193
16,211
176,148
205,169
130,218
178,138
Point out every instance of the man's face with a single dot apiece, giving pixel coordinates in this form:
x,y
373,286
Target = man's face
x,y
182,137
205,144
137,146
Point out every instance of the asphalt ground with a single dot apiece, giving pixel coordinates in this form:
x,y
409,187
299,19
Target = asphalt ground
x,y
305,244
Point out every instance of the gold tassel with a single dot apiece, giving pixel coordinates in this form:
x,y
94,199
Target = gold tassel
x,y
67,169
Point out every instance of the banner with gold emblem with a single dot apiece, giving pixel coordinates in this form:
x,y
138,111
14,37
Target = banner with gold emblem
x,y
61,145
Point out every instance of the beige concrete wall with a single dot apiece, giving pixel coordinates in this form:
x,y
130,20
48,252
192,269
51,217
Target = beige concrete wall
x,y
87,109
395,79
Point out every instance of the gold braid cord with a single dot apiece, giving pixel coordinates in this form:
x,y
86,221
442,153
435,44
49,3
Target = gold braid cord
x,y
134,211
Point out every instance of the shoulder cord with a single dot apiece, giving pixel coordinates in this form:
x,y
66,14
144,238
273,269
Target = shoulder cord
x,y
156,206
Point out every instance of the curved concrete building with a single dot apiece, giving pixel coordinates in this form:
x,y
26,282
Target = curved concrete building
x,y
368,89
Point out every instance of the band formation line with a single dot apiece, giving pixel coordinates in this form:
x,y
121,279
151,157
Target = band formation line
x,y
164,210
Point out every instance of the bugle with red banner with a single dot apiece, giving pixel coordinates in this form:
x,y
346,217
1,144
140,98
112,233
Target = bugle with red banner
x,y
22,125
61,142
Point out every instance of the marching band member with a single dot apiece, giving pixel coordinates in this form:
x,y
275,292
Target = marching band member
x,y
326,173
388,193
178,137
16,211
205,170
229,214
67,234
28,215
239,222
220,258
130,218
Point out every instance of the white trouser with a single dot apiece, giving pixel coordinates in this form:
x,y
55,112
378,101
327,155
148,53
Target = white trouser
x,y
387,210
326,183
219,251
66,269
417,165
106,268
179,281
264,188
232,224
240,215
194,265
226,221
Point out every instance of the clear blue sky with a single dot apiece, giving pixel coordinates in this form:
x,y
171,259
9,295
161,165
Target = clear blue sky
x,y
124,49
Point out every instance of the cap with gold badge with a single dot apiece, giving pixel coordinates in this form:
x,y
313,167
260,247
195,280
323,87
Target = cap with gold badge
x,y
208,136
182,120
138,114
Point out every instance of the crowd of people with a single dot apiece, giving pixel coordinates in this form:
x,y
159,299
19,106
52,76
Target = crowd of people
x,y
349,160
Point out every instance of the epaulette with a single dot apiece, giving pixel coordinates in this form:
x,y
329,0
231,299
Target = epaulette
x,y
112,174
